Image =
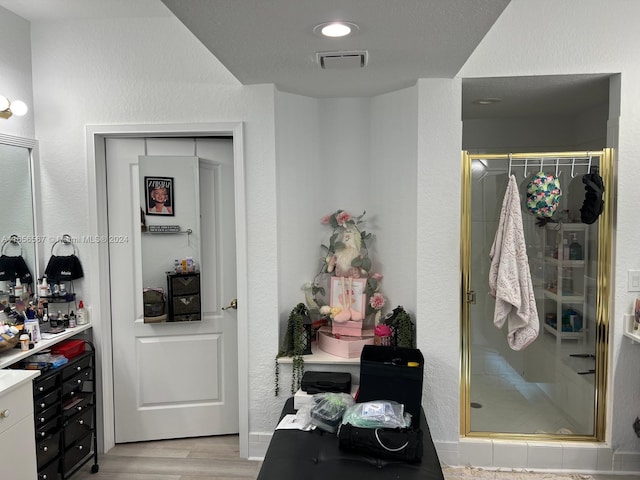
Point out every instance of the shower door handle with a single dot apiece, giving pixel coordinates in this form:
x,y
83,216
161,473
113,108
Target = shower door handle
x,y
471,297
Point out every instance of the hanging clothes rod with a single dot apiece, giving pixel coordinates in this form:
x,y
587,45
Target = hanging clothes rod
x,y
552,164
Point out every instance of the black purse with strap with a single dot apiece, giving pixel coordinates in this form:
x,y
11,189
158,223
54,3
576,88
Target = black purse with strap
x,y
403,444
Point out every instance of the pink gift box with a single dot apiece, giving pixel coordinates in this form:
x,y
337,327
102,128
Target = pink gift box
x,y
349,327
345,347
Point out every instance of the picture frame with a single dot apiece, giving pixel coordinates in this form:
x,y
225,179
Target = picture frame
x,y
159,196
356,293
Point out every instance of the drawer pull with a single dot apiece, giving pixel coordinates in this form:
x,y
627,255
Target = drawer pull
x,y
45,448
80,447
43,476
42,434
42,419
5,413
80,422
78,368
42,405
79,381
79,409
41,389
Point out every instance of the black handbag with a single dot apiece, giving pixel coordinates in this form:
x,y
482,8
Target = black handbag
x,y
403,444
63,267
14,266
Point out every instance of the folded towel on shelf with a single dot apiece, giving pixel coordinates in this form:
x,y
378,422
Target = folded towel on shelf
x,y
510,277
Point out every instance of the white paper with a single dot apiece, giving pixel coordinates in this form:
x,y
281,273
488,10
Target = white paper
x,y
290,422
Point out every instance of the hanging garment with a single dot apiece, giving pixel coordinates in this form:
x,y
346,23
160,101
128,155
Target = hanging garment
x,y
510,277
593,204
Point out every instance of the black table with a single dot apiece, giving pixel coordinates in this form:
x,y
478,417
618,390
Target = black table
x,y
295,455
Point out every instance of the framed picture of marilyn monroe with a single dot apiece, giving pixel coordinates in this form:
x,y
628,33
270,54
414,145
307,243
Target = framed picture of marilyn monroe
x,y
159,196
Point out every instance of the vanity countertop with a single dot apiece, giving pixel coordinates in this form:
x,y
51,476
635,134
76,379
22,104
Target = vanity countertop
x,y
15,355
12,379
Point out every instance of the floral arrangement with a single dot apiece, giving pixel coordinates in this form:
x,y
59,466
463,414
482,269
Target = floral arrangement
x,y
346,255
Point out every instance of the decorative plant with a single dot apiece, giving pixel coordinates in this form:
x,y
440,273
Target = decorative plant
x,y
293,346
345,255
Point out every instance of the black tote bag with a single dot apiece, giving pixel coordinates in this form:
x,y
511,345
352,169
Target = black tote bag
x,y
62,268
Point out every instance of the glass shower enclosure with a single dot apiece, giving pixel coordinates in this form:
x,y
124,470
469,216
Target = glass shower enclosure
x,y
553,388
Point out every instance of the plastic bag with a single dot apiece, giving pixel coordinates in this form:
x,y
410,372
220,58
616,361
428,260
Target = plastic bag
x,y
377,414
328,408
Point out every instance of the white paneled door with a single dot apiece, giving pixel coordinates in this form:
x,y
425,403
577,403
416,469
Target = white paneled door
x,y
173,379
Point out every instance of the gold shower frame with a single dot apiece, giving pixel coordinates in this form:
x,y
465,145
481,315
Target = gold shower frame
x,y
603,295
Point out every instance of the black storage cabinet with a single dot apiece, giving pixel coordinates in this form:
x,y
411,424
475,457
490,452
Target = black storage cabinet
x,y
386,375
184,297
65,417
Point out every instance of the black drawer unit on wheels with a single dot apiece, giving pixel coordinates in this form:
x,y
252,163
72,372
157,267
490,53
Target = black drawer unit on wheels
x,y
65,417
184,297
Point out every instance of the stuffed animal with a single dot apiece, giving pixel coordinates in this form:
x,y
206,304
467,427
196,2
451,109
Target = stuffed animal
x,y
348,250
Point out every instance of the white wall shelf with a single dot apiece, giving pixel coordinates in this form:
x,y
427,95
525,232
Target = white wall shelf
x,y
628,328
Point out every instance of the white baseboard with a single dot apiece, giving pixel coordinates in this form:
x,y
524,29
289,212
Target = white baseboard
x,y
258,444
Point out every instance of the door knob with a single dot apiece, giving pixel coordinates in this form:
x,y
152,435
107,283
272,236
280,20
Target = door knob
x,y
233,304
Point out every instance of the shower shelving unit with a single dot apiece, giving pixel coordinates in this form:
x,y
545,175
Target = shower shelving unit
x,y
565,282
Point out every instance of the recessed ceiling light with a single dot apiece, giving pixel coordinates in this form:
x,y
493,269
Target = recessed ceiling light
x,y
335,29
487,101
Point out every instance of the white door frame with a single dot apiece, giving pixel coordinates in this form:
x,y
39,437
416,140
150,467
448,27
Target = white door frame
x,y
98,272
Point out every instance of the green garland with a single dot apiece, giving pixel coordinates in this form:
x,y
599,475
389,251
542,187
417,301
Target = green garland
x,y
293,346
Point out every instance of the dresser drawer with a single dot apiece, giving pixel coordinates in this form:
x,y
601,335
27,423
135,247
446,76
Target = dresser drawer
x,y
75,383
78,426
76,404
77,452
45,416
42,385
192,317
14,406
76,367
184,284
49,472
48,449
43,431
45,401
186,304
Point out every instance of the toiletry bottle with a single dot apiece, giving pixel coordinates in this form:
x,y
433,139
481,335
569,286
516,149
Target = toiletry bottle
x,y
43,288
575,249
82,316
18,289
72,320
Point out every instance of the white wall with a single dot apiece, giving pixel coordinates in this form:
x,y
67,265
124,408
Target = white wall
x,y
15,74
587,36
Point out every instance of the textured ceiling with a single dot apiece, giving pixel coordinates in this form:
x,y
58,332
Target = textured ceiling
x,y
272,41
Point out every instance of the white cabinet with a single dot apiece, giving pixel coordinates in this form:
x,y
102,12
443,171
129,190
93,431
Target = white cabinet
x,y
16,423
565,281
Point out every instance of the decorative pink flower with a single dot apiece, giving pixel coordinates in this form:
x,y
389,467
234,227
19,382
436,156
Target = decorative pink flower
x,y
343,217
382,330
376,276
326,219
376,301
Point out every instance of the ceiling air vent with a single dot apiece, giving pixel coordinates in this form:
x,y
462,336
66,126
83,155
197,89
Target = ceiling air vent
x,y
342,60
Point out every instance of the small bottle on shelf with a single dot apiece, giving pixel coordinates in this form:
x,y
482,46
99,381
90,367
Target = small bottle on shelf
x,y
82,315
575,249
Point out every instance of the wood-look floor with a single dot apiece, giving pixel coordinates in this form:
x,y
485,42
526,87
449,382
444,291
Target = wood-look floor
x,y
218,458
203,458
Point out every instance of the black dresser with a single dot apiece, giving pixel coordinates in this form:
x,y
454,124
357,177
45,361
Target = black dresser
x,y
183,297
65,417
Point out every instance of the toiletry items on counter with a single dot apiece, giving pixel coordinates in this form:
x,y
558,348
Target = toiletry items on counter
x,y
185,265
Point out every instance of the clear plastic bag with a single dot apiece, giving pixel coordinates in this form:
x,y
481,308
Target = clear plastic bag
x,y
377,414
328,408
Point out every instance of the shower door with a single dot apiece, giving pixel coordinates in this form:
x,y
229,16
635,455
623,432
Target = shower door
x,y
555,387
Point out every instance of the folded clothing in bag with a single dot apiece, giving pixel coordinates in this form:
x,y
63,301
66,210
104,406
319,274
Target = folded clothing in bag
x,y
317,382
404,444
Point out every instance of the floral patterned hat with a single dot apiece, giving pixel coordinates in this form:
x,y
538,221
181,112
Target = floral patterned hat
x,y
543,195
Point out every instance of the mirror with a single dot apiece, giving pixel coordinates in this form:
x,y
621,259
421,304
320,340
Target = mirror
x,y
170,224
17,225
